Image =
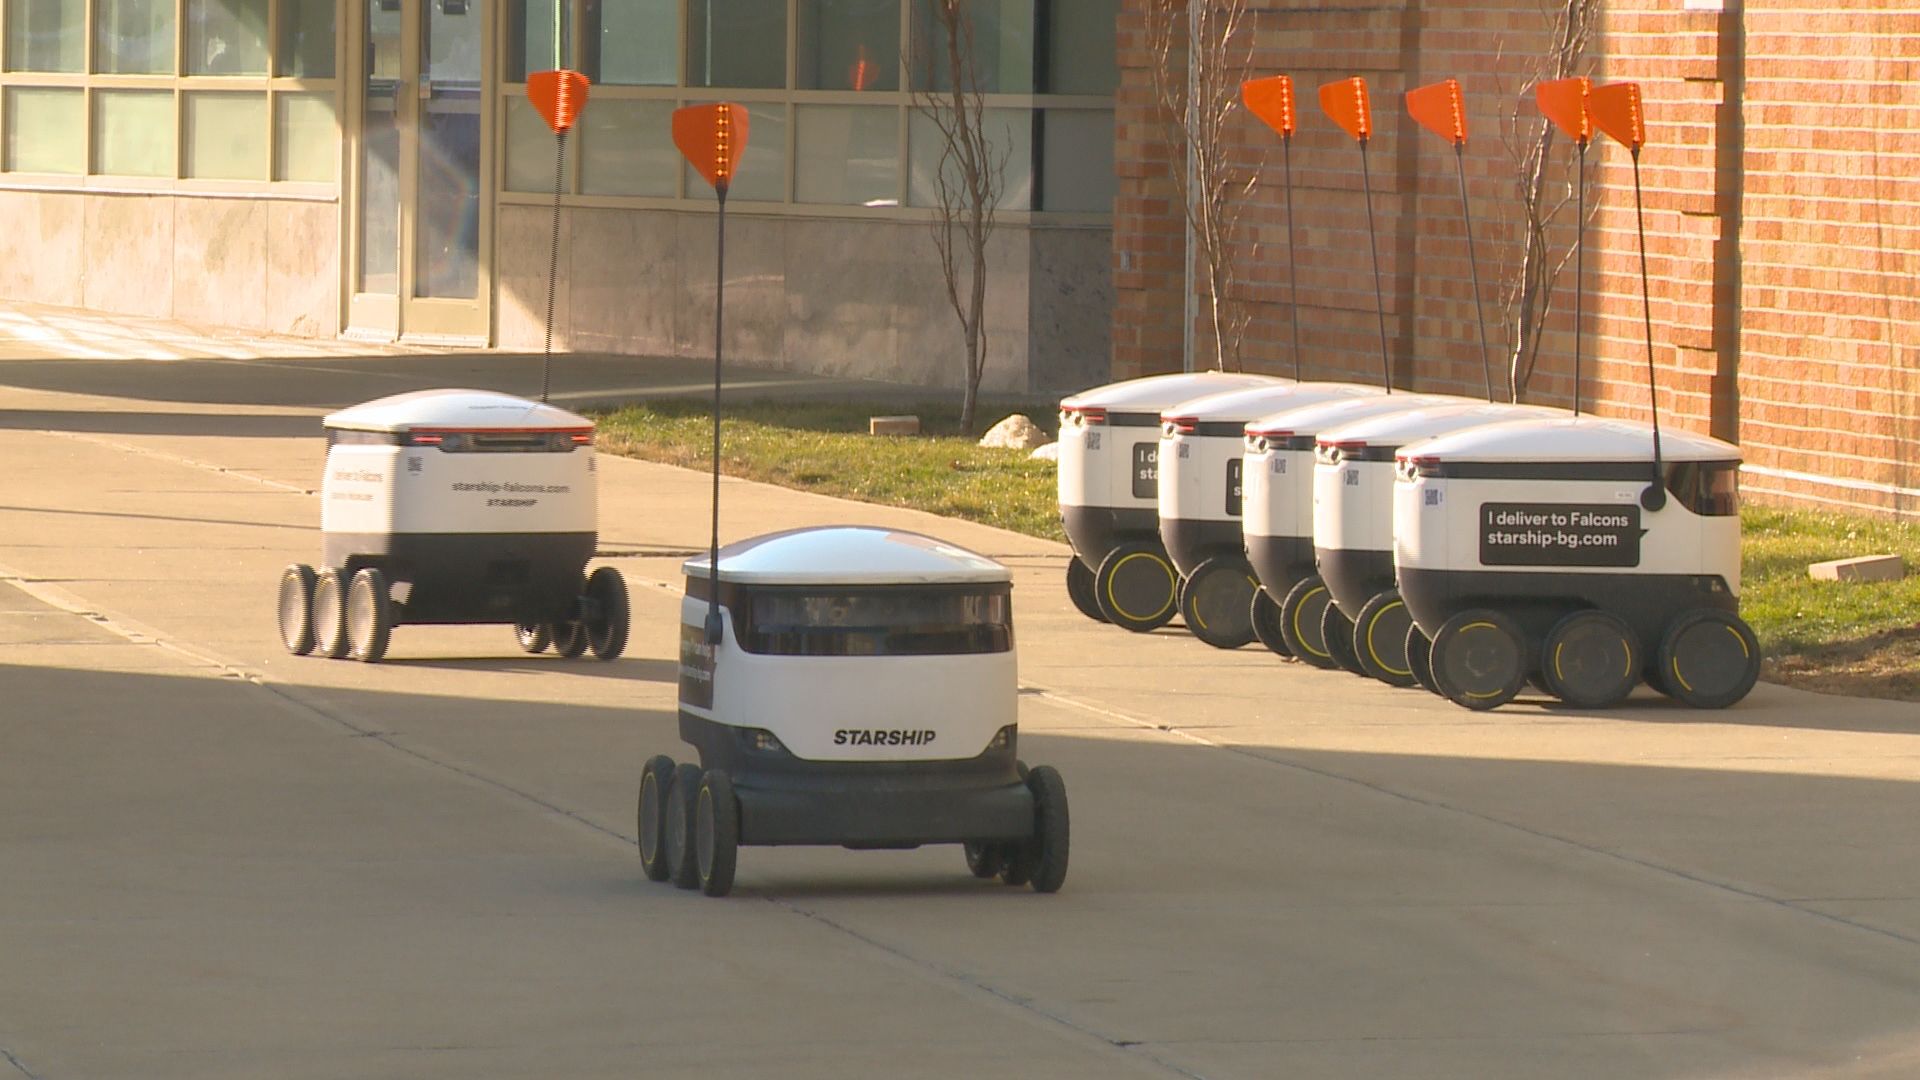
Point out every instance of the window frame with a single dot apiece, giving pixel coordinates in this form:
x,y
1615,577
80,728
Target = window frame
x,y
267,88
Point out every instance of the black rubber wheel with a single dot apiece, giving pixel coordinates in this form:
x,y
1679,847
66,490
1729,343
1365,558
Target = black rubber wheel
x,y
607,613
984,857
1263,614
1709,658
1479,659
1336,633
1047,851
296,609
1217,602
329,614
656,776
682,797
1590,660
1300,616
569,638
369,615
532,637
1080,590
1380,639
1136,587
1420,658
716,833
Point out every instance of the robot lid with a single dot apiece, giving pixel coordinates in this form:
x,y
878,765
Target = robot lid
x,y
1567,440
1310,420
1157,392
456,410
1378,435
1251,402
849,555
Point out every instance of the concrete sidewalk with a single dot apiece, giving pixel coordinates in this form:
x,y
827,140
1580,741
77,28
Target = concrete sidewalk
x,y
225,861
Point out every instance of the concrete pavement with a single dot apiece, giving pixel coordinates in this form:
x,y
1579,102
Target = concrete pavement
x,y
224,861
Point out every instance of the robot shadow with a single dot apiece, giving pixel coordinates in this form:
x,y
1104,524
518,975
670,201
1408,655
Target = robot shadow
x,y
625,669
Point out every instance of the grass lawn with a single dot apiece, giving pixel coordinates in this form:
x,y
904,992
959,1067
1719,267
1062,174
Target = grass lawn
x,y
1837,637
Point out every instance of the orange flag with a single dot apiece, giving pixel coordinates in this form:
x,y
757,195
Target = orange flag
x,y
712,137
1271,99
1346,102
1615,107
1438,108
561,96
1564,101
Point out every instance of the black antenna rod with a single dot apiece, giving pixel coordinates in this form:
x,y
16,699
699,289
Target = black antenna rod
x,y
1293,300
553,260
1654,497
1479,312
719,307
1579,266
1373,246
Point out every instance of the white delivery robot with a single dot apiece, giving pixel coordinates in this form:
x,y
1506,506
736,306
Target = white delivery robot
x,y
1276,523
455,506
1200,496
1544,549
1109,493
1353,485
861,692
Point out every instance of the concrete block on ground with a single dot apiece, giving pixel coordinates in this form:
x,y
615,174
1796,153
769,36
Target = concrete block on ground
x,y
1859,568
893,425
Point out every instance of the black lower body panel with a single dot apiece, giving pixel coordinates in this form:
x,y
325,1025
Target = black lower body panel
x,y
1094,531
1354,575
787,800
1280,562
1190,542
1538,599
472,577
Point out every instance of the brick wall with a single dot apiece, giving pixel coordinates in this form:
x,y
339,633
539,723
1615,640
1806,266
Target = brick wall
x,y
1781,183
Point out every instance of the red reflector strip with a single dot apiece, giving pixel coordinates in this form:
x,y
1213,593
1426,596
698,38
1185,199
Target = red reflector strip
x,y
425,440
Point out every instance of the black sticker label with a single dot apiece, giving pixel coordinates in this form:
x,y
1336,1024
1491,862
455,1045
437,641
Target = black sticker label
x,y
1559,534
1146,470
1233,487
696,667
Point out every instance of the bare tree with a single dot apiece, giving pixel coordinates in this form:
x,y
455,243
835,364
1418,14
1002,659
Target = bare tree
x,y
1528,281
1202,50
967,177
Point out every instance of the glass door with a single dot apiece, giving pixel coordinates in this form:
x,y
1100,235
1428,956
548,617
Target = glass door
x,y
421,199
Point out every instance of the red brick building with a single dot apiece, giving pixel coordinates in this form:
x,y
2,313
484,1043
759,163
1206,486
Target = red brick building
x,y
1782,207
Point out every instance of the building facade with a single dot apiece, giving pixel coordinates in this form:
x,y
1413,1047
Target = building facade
x,y
1781,181
373,169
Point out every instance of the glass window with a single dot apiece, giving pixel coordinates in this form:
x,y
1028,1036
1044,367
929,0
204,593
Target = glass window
x,y
878,622
531,149
133,132
848,45
1076,160
46,130
1080,47
737,43
133,37
848,155
762,174
631,42
305,48
537,33
226,37
1002,36
46,35
307,143
627,148
1009,131
226,136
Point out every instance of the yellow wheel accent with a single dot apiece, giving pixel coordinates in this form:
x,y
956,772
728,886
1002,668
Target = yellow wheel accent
x,y
1301,634
1115,601
1375,653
